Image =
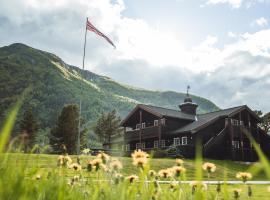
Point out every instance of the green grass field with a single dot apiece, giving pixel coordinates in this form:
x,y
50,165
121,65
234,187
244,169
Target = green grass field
x,y
225,168
29,165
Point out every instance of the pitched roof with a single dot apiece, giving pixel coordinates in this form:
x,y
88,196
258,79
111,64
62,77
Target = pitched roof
x,y
165,112
160,112
208,118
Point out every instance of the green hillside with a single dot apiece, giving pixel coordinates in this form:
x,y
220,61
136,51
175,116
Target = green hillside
x,y
56,83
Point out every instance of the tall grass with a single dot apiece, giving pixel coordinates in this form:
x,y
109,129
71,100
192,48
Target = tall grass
x,y
65,181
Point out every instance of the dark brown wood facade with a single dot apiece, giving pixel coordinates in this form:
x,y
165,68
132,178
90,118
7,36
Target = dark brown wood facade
x,y
222,134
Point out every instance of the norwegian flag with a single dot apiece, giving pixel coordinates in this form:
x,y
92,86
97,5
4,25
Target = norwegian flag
x,y
90,27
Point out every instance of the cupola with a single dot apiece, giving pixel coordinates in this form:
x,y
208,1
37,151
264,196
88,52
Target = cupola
x,y
188,106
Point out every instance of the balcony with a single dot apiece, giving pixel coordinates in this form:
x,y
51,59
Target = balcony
x,y
148,132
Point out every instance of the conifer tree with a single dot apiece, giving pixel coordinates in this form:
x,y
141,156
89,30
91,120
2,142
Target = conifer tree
x,y
28,129
107,126
64,135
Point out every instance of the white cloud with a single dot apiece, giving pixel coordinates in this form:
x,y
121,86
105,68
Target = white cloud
x,y
233,3
260,22
231,34
229,74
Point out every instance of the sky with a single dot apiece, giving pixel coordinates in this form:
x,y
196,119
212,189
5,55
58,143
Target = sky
x,y
221,48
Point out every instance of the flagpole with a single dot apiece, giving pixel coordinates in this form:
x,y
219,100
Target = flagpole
x,y
80,104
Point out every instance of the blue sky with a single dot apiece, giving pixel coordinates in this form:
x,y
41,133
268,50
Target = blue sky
x,y
219,47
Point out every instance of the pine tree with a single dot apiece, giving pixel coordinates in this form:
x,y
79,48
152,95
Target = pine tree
x,y
107,126
28,129
64,135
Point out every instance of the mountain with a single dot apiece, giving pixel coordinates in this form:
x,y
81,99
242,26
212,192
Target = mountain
x,y
55,83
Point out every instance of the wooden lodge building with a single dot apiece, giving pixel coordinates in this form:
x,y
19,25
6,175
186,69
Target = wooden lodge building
x,y
222,134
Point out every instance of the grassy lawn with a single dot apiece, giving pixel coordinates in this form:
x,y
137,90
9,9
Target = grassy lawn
x,y
225,169
29,165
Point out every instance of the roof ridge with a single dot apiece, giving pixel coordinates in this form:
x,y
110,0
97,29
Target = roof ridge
x,y
221,110
161,107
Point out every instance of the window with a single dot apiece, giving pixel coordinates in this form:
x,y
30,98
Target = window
x,y
235,122
143,145
138,126
156,122
176,141
236,144
128,147
156,144
184,140
123,147
241,123
143,125
162,121
162,143
138,145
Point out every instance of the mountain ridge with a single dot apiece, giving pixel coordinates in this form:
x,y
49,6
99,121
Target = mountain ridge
x,y
56,83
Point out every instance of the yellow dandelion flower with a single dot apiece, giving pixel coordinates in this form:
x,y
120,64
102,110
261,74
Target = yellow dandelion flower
x,y
64,161
178,170
244,176
236,193
116,165
165,173
140,162
94,164
152,173
132,178
104,157
173,185
179,162
209,167
118,177
75,166
38,177
139,154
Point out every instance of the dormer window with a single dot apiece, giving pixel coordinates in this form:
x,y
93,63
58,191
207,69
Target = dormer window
x,y
143,125
156,122
138,126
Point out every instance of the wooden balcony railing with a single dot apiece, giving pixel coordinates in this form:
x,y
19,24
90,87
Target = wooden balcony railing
x,y
148,132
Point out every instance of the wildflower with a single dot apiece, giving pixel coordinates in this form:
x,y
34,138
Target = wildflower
x,y
94,164
64,161
75,166
173,185
209,167
197,185
104,157
116,165
236,193
76,178
244,176
140,162
74,181
152,173
165,173
38,177
132,178
178,170
139,154
118,177
179,162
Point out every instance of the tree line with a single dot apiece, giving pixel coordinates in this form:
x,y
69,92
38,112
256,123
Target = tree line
x,y
63,136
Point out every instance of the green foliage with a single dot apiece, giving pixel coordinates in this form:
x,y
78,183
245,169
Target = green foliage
x,y
65,133
107,126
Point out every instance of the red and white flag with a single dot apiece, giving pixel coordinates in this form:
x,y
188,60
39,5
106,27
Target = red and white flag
x,y
90,27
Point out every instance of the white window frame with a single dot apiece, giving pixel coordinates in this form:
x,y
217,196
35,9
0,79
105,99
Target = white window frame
x,y
143,145
127,147
143,125
138,126
241,123
156,122
138,145
235,122
155,144
184,140
163,121
176,141
236,144
162,143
